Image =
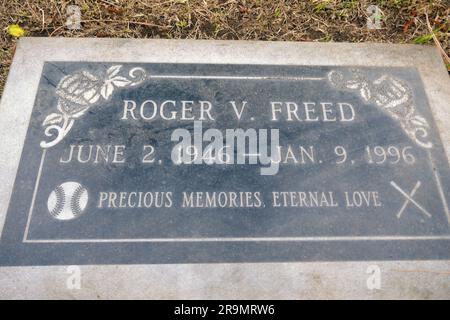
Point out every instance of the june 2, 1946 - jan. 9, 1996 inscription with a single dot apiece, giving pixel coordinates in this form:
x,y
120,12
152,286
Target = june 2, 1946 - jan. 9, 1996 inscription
x,y
168,163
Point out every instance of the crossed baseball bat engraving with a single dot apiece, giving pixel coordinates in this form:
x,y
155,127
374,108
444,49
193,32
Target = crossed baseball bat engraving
x,y
409,199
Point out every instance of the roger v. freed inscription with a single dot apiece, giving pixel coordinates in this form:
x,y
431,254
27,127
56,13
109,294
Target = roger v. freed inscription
x,y
161,163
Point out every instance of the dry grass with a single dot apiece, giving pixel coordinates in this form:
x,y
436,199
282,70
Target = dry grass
x,y
319,20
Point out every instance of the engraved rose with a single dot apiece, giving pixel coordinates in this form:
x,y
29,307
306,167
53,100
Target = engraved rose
x,y
390,94
80,91
77,92
395,97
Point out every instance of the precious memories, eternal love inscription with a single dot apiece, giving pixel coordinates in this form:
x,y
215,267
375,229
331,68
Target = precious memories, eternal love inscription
x,y
168,163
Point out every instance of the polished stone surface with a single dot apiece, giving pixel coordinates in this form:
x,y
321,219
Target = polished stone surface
x,y
407,216
360,175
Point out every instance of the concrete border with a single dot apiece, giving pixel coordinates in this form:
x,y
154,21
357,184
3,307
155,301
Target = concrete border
x,y
407,279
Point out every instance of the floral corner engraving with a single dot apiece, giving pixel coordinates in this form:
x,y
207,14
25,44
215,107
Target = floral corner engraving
x,y
392,96
80,91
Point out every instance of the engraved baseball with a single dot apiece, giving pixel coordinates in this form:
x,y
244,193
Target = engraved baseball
x,y
67,201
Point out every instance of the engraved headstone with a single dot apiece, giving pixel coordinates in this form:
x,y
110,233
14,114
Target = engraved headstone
x,y
146,153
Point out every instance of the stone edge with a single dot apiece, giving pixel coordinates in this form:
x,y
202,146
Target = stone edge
x,y
18,99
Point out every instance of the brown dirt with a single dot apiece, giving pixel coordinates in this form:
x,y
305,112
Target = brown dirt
x,y
319,20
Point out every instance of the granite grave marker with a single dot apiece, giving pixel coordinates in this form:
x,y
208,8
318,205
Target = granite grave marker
x,y
178,160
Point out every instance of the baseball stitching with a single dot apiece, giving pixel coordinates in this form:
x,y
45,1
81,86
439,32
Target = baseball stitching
x,y
75,202
60,201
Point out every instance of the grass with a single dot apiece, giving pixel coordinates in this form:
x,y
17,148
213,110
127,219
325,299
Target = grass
x,y
403,21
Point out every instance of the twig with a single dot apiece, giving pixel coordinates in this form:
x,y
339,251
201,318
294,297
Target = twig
x,y
436,40
110,3
147,24
43,19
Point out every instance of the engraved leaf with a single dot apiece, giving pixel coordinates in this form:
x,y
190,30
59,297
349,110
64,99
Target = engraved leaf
x,y
113,71
53,118
107,90
120,82
365,92
80,112
352,84
419,121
